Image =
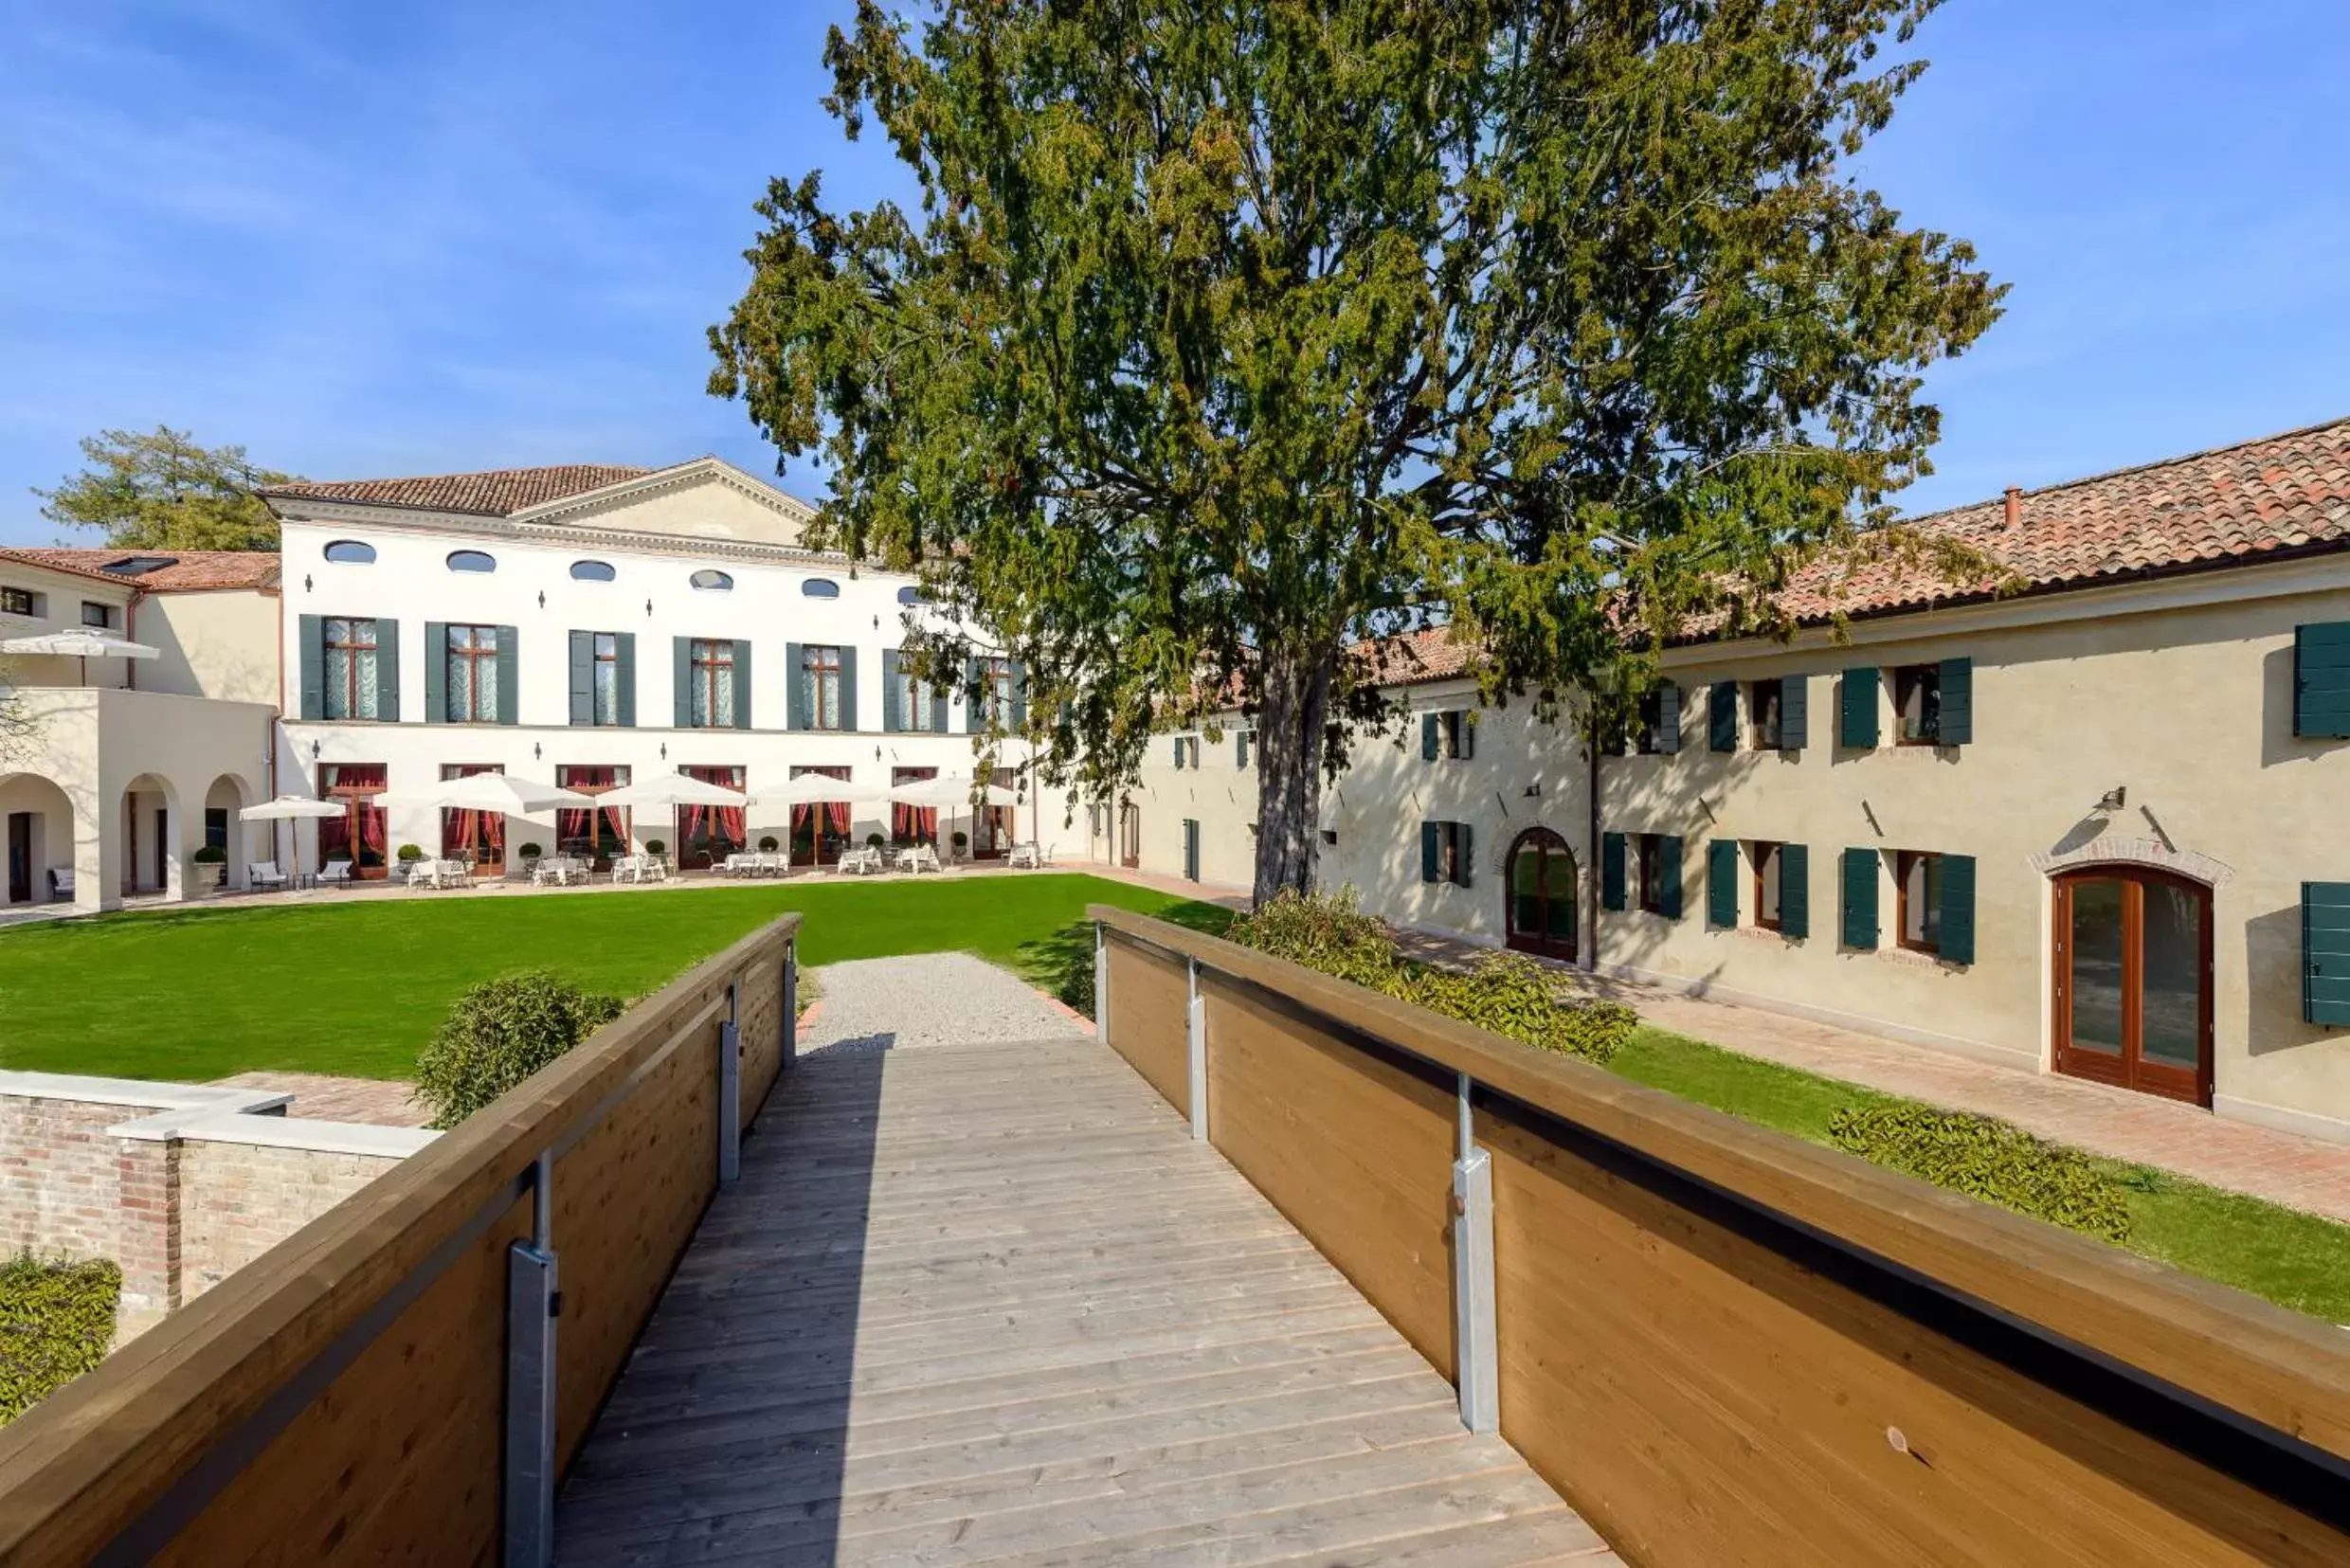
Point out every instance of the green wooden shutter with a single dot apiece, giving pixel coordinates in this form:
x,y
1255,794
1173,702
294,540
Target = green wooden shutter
x,y
939,708
312,635
1611,870
1465,856
1860,898
892,709
795,687
436,671
1241,740
2325,952
1722,716
1795,889
1956,726
1721,882
1669,876
681,679
742,682
625,676
1429,741
509,660
582,677
1467,735
388,671
1856,709
1019,697
1958,908
1428,852
1795,712
848,688
1668,719
2322,680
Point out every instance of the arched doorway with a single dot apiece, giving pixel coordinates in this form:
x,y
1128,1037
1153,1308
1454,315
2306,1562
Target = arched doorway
x,y
151,837
2131,970
1541,894
37,829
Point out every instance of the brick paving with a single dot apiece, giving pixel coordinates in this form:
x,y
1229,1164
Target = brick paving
x,y
2310,1174
378,1102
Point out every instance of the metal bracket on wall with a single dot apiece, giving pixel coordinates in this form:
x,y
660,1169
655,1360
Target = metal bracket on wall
x,y
730,1087
1101,983
1196,1016
532,1302
791,1004
1477,1366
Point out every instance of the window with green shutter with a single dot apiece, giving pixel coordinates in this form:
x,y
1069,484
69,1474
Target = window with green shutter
x,y
1860,877
1722,883
1722,716
1661,720
1856,709
1792,882
1958,701
1958,908
1667,883
2322,680
1612,871
1935,911
1795,712
1445,851
2325,952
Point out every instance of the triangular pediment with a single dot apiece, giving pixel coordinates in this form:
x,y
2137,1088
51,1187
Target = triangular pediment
x,y
708,498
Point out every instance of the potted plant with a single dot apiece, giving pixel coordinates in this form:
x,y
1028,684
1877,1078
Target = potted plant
x,y
211,867
959,841
532,852
408,855
655,846
874,840
768,844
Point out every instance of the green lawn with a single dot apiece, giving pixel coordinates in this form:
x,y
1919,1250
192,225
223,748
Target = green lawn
x,y
356,988
2291,1258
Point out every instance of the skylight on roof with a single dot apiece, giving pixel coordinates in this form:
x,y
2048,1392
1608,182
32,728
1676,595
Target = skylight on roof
x,y
138,566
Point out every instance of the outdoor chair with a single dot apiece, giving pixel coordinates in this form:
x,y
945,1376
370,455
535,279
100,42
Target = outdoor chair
x,y
1025,856
262,875
335,874
740,863
60,882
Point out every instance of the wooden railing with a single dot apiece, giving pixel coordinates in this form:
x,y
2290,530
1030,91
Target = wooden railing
x,y
403,1378
1723,1345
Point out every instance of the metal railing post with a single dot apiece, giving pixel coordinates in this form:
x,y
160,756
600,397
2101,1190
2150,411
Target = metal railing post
x,y
1101,983
1477,1362
730,1086
791,1001
1196,1015
533,1302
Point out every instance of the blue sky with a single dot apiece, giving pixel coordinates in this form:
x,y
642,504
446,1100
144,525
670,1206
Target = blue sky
x,y
474,236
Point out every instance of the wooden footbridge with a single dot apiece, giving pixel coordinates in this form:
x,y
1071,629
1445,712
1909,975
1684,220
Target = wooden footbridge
x,y
1279,1272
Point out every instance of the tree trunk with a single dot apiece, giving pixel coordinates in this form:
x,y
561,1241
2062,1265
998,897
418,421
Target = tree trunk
x,y
1293,710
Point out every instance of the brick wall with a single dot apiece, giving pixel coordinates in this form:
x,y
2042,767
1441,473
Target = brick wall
x,y
59,1175
236,1201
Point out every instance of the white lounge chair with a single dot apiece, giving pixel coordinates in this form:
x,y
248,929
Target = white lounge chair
x,y
1025,856
262,875
60,881
335,874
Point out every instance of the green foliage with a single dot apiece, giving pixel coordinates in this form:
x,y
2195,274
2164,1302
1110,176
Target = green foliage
x,y
656,846
499,1034
164,492
874,840
1225,337
1989,1159
768,844
1507,992
210,855
411,852
56,1320
532,852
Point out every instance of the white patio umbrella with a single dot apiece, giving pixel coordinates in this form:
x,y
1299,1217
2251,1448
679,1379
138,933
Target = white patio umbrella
x,y
808,789
672,789
81,643
500,792
289,808
950,795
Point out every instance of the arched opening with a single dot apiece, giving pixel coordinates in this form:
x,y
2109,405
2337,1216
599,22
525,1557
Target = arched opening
x,y
37,828
1541,894
151,847
225,851
2130,969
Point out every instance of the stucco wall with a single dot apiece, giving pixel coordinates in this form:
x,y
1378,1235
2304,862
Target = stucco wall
x,y
704,508
222,645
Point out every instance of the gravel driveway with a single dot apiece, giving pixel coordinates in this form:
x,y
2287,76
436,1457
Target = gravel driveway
x,y
927,999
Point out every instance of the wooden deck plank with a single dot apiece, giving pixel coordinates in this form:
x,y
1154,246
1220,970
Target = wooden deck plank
x,y
990,1304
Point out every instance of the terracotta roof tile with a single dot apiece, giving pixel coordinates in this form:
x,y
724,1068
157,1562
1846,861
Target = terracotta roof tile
x,y
1414,658
494,493
37,557
2230,506
191,571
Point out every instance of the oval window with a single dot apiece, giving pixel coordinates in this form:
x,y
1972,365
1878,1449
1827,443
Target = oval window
x,y
592,571
471,560
352,550
710,580
821,587
909,596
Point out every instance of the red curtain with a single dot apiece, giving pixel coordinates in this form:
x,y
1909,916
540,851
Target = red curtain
x,y
371,828
617,818
799,817
836,817
494,825
457,832
729,823
693,820
574,824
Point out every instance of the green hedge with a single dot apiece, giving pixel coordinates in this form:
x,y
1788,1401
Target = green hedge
x,y
1507,992
56,1320
1989,1159
499,1034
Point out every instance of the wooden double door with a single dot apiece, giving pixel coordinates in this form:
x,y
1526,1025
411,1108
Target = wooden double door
x,y
1541,893
2132,971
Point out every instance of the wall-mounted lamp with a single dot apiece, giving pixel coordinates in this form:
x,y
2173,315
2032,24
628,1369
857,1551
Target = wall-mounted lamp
x,y
2114,799
542,599
876,753
305,582
664,750
648,606
314,751
536,752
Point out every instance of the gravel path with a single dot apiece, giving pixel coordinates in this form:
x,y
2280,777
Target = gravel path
x,y
927,999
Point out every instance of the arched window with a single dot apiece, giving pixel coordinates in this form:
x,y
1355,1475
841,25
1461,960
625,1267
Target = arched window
x,y
710,580
472,560
352,551
820,587
909,595
1539,891
592,571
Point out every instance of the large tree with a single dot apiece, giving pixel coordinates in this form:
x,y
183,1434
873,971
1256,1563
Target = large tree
x,y
162,490
1227,335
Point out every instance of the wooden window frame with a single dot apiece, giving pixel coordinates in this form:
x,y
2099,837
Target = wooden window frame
x,y
1647,891
1903,860
1448,734
1651,724
350,646
602,649
1905,679
705,658
995,695
916,712
105,621
476,657
1763,852
1760,695
19,601
819,663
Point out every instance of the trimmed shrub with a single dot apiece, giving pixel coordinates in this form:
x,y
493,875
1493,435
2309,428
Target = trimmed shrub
x,y
768,844
1989,1159
499,1034
1507,992
410,852
532,852
874,840
56,1320
655,846
210,855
